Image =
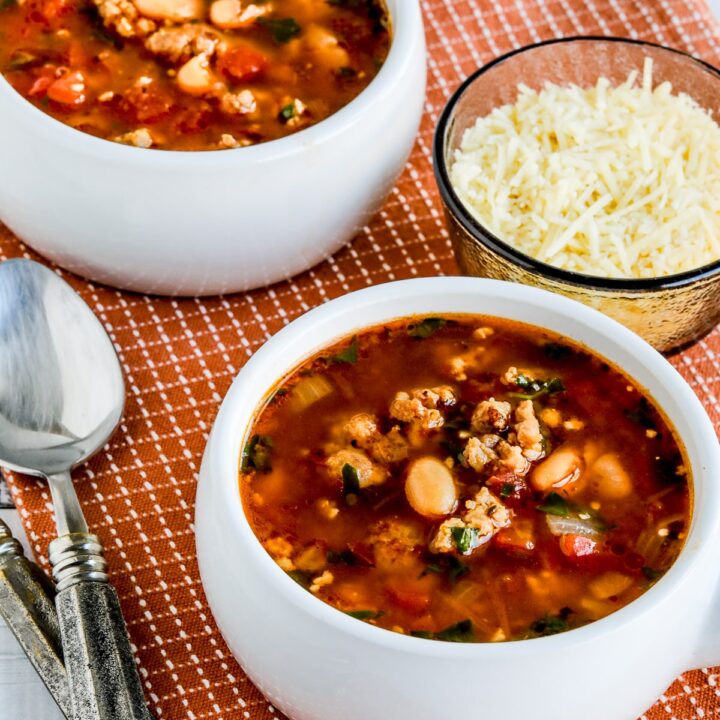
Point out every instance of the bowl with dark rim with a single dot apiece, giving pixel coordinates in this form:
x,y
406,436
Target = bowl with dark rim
x,y
668,311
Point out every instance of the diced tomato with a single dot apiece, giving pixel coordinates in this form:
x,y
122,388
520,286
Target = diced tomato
x,y
242,63
412,602
77,56
52,9
69,89
576,546
196,118
40,86
146,104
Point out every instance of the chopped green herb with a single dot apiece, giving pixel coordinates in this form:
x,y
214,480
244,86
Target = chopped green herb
x,y
365,614
288,112
651,574
537,388
6,4
551,624
462,631
506,490
427,327
351,481
348,355
301,577
283,29
256,454
557,351
555,504
346,71
465,538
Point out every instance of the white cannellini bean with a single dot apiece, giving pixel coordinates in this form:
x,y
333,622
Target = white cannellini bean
x,y
194,76
560,468
613,481
173,10
430,488
232,14
325,47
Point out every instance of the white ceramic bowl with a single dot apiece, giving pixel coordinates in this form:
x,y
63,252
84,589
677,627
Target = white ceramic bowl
x,y
219,221
316,663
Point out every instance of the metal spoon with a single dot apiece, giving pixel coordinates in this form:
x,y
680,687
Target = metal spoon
x,y
61,397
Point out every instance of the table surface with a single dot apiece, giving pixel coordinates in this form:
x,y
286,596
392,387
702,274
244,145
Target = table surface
x,y
22,694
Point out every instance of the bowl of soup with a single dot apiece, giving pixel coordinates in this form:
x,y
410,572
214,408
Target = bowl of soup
x,y
421,492
589,166
200,148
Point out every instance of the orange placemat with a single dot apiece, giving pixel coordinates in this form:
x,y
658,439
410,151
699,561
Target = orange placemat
x,y
180,356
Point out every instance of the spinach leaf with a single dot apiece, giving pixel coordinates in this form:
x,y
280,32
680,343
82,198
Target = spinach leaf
x,y
462,631
22,60
465,538
651,574
557,351
447,565
351,481
551,624
537,388
365,614
555,504
348,355
301,577
642,414
425,328
283,29
256,454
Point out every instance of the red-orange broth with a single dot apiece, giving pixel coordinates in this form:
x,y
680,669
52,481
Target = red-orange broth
x,y
192,74
388,476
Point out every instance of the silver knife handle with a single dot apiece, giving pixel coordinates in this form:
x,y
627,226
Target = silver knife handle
x,y
102,675
26,604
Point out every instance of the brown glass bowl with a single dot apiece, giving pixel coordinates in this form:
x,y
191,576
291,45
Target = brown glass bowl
x,y
669,311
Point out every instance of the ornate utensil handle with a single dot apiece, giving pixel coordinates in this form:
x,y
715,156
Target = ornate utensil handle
x,y
102,675
26,604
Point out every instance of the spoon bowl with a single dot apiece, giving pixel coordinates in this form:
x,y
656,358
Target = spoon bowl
x,y
61,387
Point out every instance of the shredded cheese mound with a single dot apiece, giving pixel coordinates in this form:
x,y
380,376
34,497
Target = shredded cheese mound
x,y
620,182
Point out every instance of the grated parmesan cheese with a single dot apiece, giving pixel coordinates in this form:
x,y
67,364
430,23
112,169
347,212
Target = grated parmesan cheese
x,y
615,181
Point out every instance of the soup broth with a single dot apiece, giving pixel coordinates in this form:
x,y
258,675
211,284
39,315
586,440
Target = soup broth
x,y
466,479
191,74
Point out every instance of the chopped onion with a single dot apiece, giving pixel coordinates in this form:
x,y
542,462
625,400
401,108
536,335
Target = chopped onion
x,y
309,390
572,525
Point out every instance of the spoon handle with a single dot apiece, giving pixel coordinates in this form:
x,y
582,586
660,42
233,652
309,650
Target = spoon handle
x,y
102,675
26,604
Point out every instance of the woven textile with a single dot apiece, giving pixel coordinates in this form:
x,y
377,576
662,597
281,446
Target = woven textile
x,y
179,357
